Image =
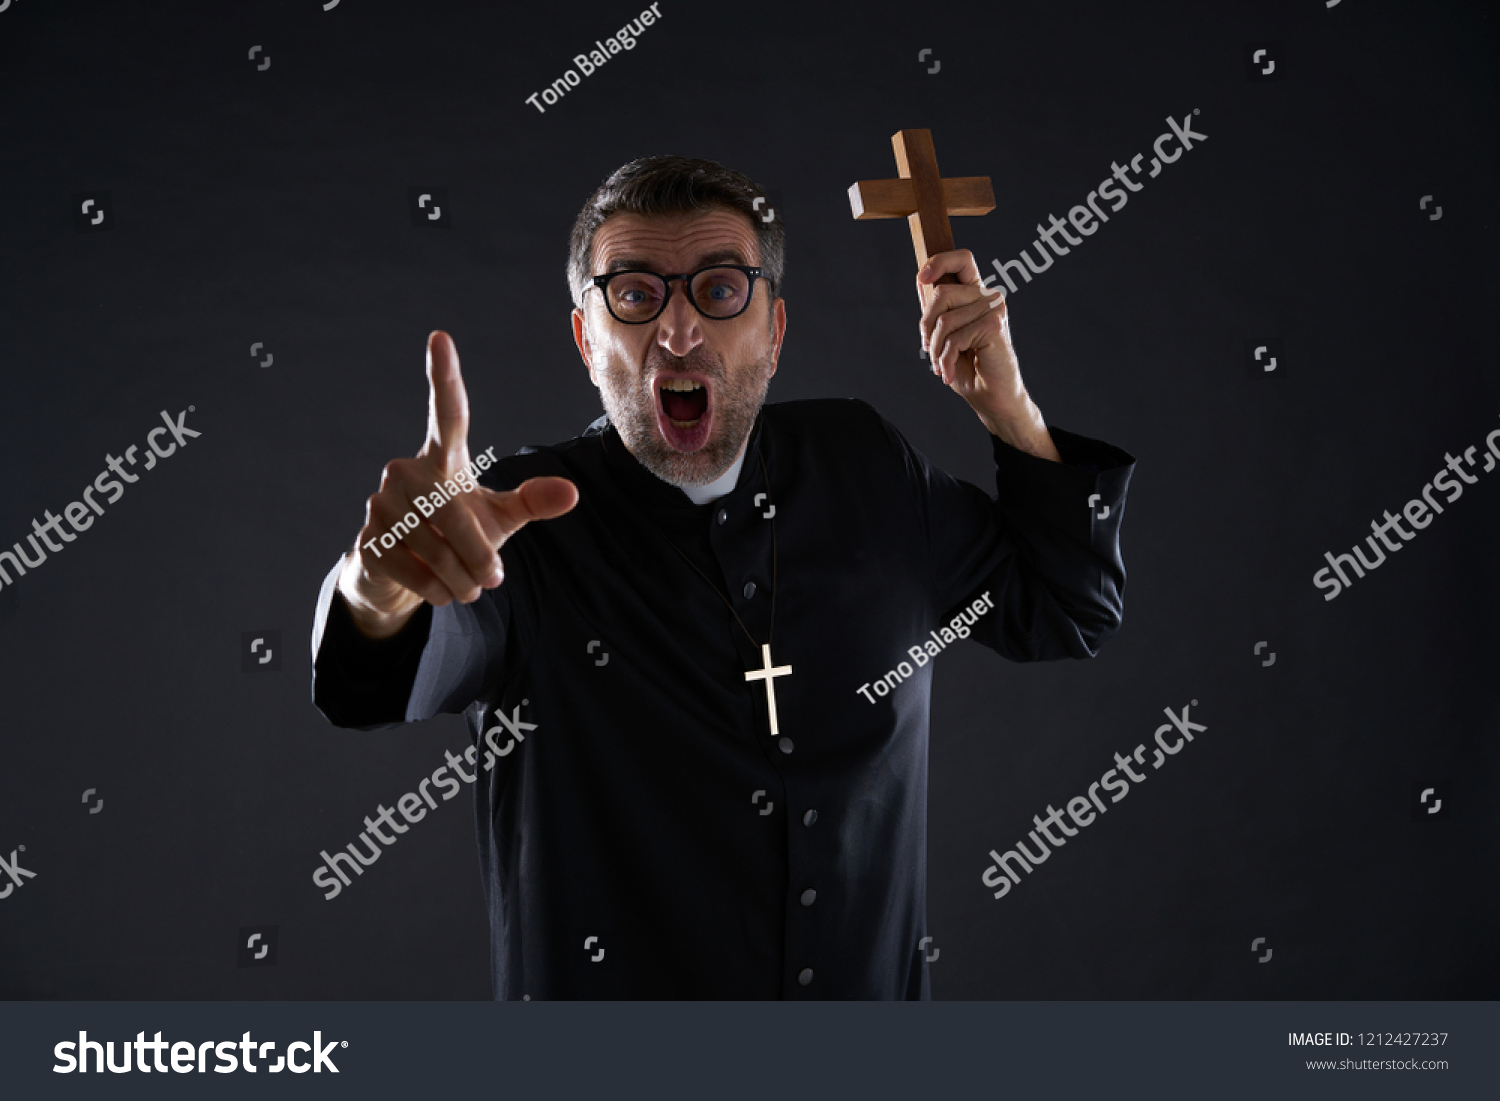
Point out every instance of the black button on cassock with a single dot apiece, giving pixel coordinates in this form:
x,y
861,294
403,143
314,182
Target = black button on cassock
x,y
785,744
808,896
723,515
805,976
749,589
809,818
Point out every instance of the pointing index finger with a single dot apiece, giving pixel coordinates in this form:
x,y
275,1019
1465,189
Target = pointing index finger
x,y
447,402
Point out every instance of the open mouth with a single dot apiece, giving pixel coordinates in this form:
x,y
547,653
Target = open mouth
x,y
683,412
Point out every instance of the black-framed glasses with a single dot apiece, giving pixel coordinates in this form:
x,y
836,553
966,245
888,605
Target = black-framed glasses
x,y
719,292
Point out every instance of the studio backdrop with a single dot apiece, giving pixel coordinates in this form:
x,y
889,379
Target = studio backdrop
x,y
1252,244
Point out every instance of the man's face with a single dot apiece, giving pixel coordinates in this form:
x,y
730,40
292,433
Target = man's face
x,y
645,373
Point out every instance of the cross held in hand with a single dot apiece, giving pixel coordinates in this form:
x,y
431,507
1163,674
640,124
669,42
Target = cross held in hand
x,y
922,197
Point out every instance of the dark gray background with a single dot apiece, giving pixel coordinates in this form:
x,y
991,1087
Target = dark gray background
x,y
272,206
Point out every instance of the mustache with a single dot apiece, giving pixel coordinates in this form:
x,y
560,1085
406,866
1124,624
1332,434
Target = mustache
x,y
698,361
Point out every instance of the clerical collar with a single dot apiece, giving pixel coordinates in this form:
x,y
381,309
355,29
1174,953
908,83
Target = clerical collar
x,y
663,494
721,485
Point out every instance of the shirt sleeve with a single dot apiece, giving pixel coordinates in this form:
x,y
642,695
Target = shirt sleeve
x,y
1042,556
435,664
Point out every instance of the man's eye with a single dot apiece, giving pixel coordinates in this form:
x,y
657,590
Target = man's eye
x,y
727,291
635,292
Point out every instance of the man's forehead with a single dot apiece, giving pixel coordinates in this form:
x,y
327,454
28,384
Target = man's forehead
x,y
674,241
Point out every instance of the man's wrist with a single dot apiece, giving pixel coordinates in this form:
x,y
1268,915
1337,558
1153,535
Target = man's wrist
x,y
373,622
1023,428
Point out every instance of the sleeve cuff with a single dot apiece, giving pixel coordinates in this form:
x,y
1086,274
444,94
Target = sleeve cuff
x,y
1092,478
373,659
357,681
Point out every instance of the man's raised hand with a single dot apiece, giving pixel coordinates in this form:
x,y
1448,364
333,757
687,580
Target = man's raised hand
x,y
453,553
966,315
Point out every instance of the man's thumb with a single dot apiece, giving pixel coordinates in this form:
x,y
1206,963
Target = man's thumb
x,y
540,498
547,497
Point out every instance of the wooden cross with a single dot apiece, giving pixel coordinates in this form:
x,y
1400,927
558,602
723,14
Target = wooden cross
x,y
923,198
765,674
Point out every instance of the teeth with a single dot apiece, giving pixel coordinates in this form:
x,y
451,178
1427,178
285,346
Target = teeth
x,y
683,384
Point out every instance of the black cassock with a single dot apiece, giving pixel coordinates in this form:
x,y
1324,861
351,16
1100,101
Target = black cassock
x,y
647,837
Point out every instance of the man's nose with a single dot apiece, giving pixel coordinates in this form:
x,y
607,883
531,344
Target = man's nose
x,y
679,329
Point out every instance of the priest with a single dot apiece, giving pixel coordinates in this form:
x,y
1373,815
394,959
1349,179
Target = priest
x,y
657,631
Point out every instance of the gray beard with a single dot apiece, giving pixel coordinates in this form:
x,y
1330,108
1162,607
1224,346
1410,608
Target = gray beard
x,y
630,403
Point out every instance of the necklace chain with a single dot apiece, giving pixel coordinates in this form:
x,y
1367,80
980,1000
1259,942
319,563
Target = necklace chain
x,y
771,627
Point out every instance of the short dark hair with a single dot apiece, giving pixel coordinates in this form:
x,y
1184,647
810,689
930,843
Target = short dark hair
x,y
674,185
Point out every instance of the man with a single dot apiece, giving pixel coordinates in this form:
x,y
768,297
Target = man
x,y
666,634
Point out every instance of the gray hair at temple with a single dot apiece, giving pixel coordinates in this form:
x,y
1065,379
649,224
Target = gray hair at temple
x,y
673,185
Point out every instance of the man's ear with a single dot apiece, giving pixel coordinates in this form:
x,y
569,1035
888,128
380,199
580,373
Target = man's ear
x,y
581,338
778,330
